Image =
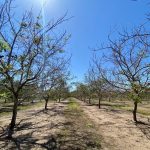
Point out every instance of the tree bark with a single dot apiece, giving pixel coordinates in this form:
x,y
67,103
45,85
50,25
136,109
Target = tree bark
x,y
135,111
89,100
109,99
59,100
99,101
14,116
46,102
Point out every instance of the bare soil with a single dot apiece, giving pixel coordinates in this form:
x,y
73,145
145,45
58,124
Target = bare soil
x,y
59,128
36,128
118,130
72,127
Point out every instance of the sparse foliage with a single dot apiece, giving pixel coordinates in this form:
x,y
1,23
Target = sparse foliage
x,y
130,69
25,50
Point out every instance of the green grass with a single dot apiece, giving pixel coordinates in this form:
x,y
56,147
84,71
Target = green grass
x,y
73,108
89,125
144,112
129,108
143,108
20,108
80,130
73,105
26,107
4,113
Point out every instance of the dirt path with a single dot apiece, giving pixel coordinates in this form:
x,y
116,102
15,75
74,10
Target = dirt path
x,y
63,126
118,130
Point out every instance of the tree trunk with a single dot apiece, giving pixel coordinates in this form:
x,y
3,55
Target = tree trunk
x,y
99,103
89,100
109,99
59,99
14,116
135,111
46,102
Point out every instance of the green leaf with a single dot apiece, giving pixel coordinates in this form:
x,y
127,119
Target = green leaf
x,y
61,51
37,40
4,46
24,25
38,26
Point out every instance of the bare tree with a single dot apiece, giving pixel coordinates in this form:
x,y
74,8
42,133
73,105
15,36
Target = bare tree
x,y
89,91
129,61
62,88
96,82
81,91
26,47
54,71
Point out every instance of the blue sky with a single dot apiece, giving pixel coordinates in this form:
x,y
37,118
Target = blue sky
x,y
92,22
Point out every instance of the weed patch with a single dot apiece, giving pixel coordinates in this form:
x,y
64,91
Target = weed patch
x,y
80,132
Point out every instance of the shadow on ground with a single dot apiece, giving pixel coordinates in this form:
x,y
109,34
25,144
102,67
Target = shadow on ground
x,y
145,128
56,135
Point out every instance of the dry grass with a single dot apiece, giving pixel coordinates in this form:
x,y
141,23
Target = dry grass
x,y
80,131
143,108
63,126
6,108
117,127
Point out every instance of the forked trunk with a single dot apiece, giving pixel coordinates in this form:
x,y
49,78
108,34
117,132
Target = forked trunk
x,y
135,111
14,116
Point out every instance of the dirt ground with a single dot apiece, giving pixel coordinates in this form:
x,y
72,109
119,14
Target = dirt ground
x,y
62,127
76,127
118,130
35,128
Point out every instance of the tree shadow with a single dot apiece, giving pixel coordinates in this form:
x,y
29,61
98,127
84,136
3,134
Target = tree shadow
x,y
5,110
27,141
88,104
64,102
58,141
51,135
144,127
55,110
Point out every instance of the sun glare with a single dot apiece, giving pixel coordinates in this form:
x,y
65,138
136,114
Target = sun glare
x,y
45,3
